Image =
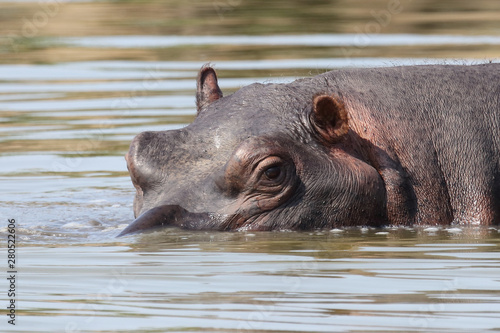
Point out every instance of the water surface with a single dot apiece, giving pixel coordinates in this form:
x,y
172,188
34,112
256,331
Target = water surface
x,y
73,95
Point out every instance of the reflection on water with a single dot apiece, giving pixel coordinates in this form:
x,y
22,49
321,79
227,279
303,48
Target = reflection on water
x,y
73,95
293,40
403,280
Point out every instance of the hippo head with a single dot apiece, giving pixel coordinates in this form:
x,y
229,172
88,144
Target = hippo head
x,y
267,157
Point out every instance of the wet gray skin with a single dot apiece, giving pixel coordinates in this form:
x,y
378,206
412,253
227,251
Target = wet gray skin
x,y
335,150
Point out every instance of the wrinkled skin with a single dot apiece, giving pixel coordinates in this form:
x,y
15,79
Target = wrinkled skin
x,y
400,145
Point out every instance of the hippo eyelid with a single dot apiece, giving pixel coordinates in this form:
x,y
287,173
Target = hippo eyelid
x,y
267,163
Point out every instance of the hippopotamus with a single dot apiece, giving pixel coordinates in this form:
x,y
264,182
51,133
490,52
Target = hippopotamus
x,y
402,145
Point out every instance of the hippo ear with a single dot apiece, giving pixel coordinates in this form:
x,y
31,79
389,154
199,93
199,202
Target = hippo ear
x,y
329,118
207,88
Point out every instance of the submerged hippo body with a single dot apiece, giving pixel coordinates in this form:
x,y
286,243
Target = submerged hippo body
x,y
399,146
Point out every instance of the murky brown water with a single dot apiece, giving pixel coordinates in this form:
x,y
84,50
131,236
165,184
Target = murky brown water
x,y
79,79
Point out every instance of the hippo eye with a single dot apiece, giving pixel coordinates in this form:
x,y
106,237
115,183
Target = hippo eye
x,y
273,172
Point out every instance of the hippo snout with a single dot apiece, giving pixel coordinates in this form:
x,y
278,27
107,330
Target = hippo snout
x,y
166,215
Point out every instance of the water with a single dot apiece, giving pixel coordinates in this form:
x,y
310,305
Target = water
x,y
73,95
356,280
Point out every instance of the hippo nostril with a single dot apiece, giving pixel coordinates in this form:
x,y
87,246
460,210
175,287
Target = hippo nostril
x,y
131,170
139,161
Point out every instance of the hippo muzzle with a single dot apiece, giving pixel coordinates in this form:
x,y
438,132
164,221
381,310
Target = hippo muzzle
x,y
166,215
